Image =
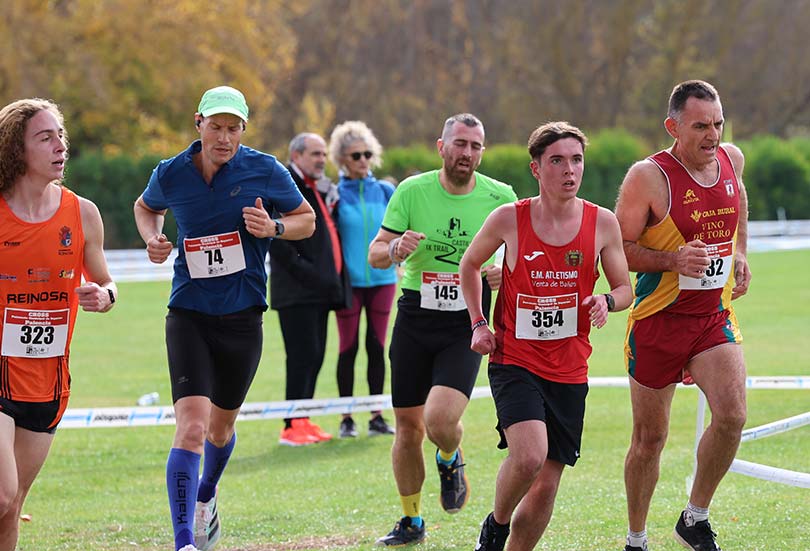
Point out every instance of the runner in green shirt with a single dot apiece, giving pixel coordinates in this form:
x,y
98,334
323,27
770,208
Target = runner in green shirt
x,y
430,221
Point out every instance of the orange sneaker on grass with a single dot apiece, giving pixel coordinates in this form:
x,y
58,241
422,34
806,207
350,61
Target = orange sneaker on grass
x,y
316,431
298,434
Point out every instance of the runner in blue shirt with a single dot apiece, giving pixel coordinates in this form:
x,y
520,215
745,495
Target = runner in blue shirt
x,y
220,193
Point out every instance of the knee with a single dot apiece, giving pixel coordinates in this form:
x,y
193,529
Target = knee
x,y
648,443
220,436
11,498
8,501
527,465
730,422
409,432
191,434
439,426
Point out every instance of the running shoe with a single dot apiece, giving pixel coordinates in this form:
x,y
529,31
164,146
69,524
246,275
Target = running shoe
x,y
404,533
188,547
454,492
378,426
492,537
316,431
206,524
634,548
297,434
347,428
697,536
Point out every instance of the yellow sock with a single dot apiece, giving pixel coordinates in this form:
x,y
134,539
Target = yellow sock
x,y
446,457
411,505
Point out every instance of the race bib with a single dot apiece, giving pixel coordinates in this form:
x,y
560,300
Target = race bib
x,y
35,333
721,256
546,318
441,291
214,255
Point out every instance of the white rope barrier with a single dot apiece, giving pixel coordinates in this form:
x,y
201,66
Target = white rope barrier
x,y
771,474
759,470
164,415
783,425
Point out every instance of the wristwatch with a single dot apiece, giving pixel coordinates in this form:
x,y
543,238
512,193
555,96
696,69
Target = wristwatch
x,y
279,227
611,304
112,295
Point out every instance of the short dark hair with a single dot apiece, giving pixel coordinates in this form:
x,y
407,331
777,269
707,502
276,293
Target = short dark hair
x,y
467,119
546,134
699,89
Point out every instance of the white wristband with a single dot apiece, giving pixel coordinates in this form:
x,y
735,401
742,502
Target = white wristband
x,y
392,250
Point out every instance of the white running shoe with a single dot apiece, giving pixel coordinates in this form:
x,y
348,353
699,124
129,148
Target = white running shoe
x,y
188,547
206,524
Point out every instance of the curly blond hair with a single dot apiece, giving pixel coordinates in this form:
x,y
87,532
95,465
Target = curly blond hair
x,y
346,134
14,118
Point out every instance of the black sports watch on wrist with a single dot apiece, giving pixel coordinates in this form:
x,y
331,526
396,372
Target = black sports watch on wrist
x,y
611,304
279,227
112,295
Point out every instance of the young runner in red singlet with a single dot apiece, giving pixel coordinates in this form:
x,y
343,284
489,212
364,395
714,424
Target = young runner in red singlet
x,y
538,367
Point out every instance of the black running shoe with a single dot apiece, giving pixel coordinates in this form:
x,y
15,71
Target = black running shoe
x,y
492,536
454,491
377,426
347,428
404,533
697,536
634,548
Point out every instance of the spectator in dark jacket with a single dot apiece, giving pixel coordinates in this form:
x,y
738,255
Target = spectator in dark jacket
x,y
307,280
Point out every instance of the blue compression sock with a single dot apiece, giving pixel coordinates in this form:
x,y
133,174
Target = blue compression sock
x,y
214,461
181,482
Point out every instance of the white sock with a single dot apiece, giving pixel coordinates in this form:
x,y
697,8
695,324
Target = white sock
x,y
637,539
697,513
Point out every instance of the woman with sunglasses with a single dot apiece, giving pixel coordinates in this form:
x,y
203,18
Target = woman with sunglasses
x,y
354,149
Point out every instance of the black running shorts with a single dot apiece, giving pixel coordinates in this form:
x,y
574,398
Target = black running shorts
x,y
430,348
213,356
35,416
520,395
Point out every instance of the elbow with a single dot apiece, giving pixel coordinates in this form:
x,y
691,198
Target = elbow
x,y
309,227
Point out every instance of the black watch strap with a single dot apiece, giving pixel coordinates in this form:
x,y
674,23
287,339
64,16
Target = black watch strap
x,y
279,227
611,304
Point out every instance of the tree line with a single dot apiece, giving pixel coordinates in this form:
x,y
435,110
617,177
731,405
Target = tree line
x,y
129,73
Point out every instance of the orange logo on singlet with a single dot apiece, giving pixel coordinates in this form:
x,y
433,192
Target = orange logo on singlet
x,y
690,197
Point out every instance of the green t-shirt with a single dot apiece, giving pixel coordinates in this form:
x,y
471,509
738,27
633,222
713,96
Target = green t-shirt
x,y
449,221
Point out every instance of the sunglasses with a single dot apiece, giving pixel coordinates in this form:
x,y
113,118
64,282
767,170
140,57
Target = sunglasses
x,y
356,155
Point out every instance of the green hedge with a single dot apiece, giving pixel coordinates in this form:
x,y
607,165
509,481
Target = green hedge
x,y
777,175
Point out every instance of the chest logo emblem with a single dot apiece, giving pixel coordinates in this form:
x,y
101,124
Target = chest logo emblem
x,y
573,258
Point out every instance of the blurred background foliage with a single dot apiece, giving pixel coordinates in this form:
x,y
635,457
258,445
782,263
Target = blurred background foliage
x,y
128,75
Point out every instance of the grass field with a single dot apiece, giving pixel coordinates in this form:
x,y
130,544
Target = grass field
x,y
103,489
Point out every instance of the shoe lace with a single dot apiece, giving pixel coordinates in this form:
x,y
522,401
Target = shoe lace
x,y
447,471
705,534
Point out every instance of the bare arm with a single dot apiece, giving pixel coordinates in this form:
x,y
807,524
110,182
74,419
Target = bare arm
x,y
150,226
298,223
94,295
388,248
614,264
742,272
496,230
643,201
